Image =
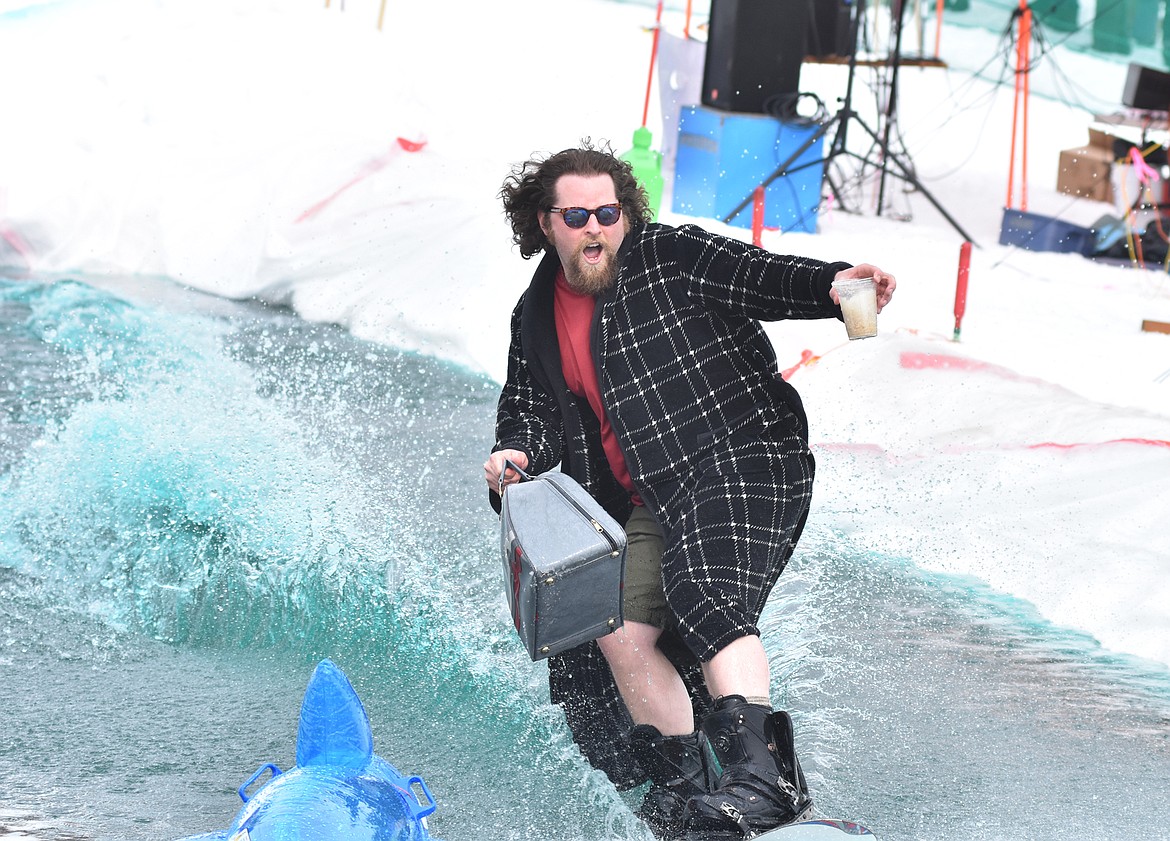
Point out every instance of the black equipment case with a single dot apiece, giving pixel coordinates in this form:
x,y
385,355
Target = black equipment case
x,y
564,563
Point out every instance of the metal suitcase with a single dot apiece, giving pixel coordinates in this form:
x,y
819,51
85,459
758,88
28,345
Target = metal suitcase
x,y
564,563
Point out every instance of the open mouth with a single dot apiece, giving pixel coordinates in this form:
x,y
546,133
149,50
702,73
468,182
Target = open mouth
x,y
593,252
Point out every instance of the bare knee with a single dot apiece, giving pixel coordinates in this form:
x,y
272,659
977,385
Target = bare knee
x,y
633,641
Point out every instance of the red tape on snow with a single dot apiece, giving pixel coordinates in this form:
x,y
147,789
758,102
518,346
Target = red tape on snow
x,y
402,145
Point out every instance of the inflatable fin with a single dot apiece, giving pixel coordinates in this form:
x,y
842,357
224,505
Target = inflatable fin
x,y
334,728
339,789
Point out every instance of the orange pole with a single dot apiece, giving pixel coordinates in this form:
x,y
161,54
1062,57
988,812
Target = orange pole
x,y
687,23
653,58
1026,40
938,13
1020,107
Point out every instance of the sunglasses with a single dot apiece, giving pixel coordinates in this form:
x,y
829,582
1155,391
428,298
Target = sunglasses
x,y
578,217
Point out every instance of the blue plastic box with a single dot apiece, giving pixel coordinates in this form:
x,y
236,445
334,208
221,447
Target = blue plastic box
x,y
722,157
1034,232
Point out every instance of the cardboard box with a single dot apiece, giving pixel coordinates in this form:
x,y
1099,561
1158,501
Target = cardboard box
x,y
1086,170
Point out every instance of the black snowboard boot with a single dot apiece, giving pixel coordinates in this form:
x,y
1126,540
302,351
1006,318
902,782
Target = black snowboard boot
x,y
679,770
761,785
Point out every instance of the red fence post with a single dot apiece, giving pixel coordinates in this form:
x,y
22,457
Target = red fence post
x,y
961,286
757,215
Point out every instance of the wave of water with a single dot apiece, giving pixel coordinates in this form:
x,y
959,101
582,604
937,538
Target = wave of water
x,y
173,487
266,485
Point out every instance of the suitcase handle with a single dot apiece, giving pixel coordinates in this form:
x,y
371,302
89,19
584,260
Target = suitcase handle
x,y
511,465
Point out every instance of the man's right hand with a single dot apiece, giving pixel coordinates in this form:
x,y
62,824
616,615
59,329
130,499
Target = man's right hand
x,y
494,467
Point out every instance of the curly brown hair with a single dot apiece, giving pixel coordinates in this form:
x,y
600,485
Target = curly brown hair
x,y
531,190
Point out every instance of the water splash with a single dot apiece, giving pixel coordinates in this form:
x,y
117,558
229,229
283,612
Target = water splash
x,y
173,490
267,485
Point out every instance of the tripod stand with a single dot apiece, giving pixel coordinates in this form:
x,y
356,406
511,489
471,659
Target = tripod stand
x,y
844,116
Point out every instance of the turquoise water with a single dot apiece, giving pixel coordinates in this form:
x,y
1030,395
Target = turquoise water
x,y
199,500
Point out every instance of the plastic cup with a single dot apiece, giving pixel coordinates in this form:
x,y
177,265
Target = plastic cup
x,y
859,306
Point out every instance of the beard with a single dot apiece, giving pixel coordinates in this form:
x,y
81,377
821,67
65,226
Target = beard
x,y
587,278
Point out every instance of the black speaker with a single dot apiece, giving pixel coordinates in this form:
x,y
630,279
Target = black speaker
x,y
754,52
832,28
1146,89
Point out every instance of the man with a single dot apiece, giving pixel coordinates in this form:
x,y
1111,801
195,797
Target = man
x,y
638,364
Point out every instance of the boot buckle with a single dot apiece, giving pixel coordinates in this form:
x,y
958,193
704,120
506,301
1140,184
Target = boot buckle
x,y
736,817
788,789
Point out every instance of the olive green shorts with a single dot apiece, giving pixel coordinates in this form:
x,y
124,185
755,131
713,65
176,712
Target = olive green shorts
x,y
643,598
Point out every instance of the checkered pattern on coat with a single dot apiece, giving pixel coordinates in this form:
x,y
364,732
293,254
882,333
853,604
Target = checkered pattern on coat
x,y
715,440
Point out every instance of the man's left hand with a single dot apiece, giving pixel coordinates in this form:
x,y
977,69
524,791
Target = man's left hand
x,y
883,281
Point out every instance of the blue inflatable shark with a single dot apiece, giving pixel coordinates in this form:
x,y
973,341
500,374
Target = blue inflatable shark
x,y
338,789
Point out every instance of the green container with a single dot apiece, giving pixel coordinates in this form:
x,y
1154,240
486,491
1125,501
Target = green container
x,y
1060,15
1166,38
1145,22
1113,26
957,5
647,166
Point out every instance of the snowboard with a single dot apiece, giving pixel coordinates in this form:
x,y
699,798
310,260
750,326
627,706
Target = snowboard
x,y
815,829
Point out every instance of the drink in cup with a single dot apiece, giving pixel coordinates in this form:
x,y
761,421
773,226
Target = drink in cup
x,y
858,305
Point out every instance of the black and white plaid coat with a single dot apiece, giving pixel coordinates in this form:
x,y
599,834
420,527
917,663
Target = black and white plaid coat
x,y
715,440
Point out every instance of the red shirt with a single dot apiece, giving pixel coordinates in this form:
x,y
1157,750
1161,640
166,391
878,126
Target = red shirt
x,y
574,318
